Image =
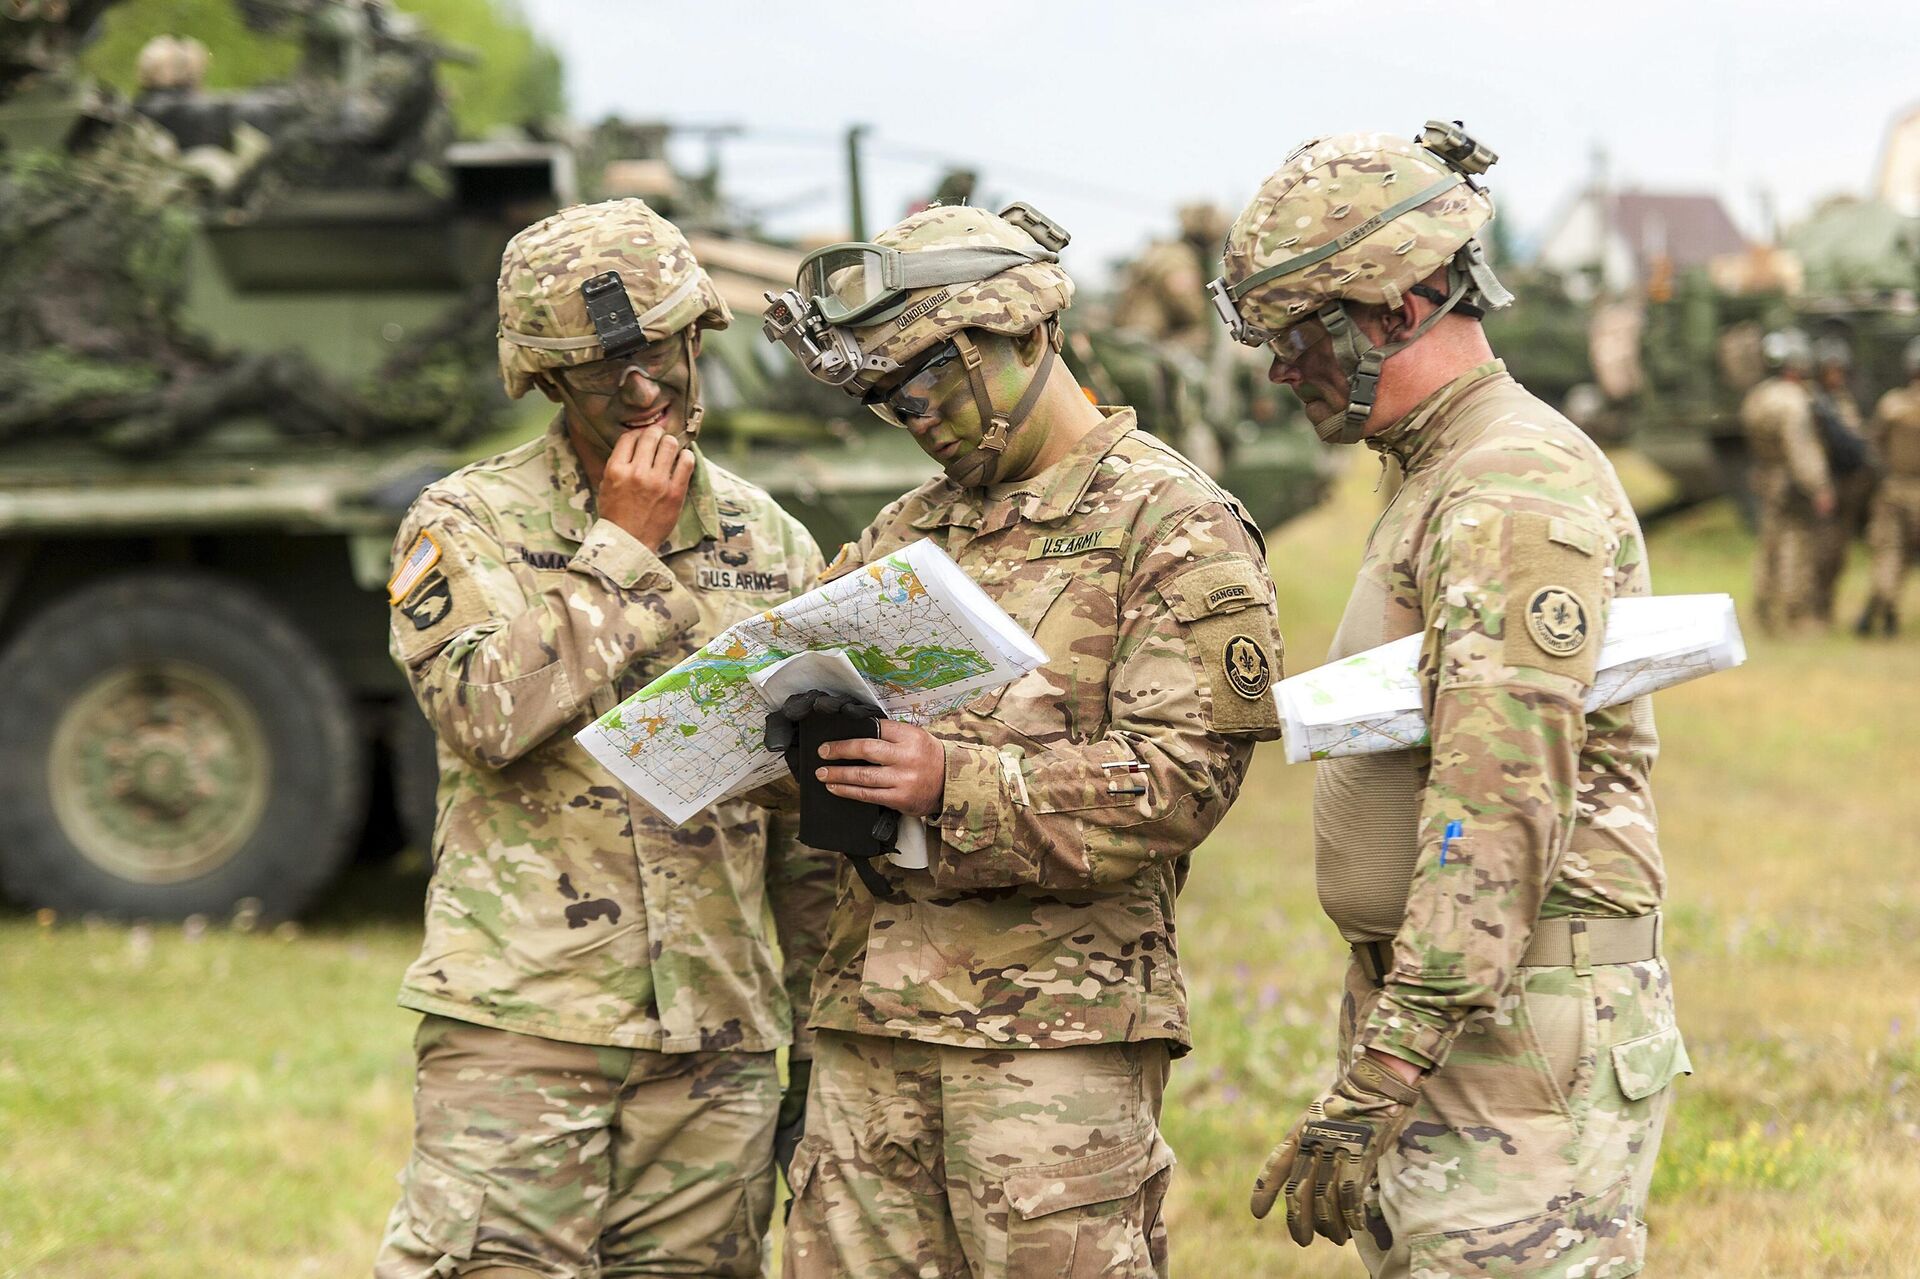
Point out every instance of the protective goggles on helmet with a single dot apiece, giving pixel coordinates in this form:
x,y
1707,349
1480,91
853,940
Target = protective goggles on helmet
x,y
913,396
853,284
659,362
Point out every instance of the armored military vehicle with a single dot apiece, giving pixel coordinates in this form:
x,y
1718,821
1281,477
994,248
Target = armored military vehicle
x,y
238,332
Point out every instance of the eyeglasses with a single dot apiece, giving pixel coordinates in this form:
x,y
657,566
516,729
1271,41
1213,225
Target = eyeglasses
x,y
1293,342
656,362
913,395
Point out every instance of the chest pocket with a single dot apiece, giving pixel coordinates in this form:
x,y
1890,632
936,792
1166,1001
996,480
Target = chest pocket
x,y
1071,608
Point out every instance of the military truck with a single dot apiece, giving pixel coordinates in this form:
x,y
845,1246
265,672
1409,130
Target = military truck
x,y
238,333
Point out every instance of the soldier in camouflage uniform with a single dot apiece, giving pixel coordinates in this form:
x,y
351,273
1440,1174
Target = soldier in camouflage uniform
x,y
1507,1035
994,1034
1792,484
1893,521
596,1089
1837,414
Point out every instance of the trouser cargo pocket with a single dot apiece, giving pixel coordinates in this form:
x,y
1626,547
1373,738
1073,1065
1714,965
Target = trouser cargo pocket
x,y
1094,1216
1597,1237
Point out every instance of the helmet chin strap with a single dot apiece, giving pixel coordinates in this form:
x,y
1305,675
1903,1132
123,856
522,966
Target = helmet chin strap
x,y
1360,359
980,466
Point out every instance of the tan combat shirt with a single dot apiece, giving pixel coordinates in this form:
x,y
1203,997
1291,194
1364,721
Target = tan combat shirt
x,y
1777,416
1895,433
561,905
1075,795
1503,547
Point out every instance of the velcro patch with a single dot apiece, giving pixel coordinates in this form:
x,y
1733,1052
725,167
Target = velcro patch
x,y
1249,673
432,604
1047,548
1224,586
414,569
1557,620
740,579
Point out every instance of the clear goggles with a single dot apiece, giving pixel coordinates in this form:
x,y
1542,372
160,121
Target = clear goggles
x,y
663,362
855,284
1287,345
908,397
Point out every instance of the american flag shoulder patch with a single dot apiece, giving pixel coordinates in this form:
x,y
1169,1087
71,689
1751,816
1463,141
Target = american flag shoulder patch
x,y
424,555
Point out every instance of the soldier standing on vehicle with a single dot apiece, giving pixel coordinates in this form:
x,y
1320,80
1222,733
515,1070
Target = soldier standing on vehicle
x,y
1893,524
1792,485
1849,461
596,1089
1508,1033
994,1031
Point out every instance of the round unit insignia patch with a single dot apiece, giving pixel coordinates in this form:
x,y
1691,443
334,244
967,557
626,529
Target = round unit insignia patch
x,y
1247,668
1557,620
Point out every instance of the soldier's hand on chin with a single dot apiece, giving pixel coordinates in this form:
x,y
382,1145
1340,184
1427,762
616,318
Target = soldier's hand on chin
x,y
905,769
645,484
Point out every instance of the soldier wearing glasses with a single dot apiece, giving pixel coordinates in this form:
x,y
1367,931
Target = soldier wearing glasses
x,y
596,1089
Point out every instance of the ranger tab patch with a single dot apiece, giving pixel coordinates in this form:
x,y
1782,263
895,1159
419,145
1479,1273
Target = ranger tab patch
x,y
1557,621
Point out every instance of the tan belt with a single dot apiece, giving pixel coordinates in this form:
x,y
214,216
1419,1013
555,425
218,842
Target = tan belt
x,y
1565,942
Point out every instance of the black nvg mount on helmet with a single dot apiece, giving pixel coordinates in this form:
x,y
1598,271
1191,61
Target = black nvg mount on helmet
x,y
1449,140
611,311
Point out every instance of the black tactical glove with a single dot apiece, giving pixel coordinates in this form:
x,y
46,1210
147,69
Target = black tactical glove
x,y
1327,1162
792,1124
860,830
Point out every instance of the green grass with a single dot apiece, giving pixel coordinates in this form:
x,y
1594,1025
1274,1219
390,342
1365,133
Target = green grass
x,y
221,1103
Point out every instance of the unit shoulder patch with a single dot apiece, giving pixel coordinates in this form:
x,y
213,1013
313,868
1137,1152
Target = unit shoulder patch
x,y
1557,621
1249,672
430,603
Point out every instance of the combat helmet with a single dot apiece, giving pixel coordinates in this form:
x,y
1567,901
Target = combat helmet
x,y
1787,349
1830,350
598,281
865,316
1359,218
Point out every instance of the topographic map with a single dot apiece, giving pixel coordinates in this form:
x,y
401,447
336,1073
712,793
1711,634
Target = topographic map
x,y
1371,701
921,634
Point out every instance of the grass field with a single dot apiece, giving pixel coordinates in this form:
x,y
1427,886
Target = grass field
x,y
198,1103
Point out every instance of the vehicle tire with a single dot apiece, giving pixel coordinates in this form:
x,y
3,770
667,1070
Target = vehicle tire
x,y
173,746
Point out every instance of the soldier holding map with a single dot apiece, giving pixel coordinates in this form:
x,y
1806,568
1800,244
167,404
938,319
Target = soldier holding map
x,y
596,1086
994,1032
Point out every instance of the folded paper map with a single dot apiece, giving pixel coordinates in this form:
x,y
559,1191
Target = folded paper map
x,y
1371,701
920,633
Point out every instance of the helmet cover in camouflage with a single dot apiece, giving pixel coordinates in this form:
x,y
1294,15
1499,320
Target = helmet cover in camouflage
x,y
1013,302
544,322
1329,190
172,62
1830,350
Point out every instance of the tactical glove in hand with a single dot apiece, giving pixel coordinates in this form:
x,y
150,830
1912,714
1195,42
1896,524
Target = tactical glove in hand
x,y
1327,1162
860,830
792,1124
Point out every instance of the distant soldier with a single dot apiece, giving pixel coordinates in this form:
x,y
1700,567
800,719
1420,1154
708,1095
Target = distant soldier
x,y
1792,485
1893,523
595,1090
1507,1040
995,1030
1849,461
1163,291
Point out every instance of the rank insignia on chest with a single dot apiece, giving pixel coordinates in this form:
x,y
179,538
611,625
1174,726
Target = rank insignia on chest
x,y
1248,670
710,578
1557,621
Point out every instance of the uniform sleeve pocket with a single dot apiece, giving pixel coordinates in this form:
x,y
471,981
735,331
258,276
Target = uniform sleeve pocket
x,y
444,1207
1645,1065
1096,1179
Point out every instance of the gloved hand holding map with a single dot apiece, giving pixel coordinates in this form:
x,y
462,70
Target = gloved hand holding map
x,y
1371,701
921,635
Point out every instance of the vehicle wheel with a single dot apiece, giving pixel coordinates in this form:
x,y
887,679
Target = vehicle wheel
x,y
173,747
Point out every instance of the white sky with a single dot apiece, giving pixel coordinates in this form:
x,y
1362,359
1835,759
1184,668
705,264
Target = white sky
x,y
1107,114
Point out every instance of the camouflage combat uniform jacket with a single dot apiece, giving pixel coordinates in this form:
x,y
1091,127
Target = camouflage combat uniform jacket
x,y
1074,795
1503,548
561,905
